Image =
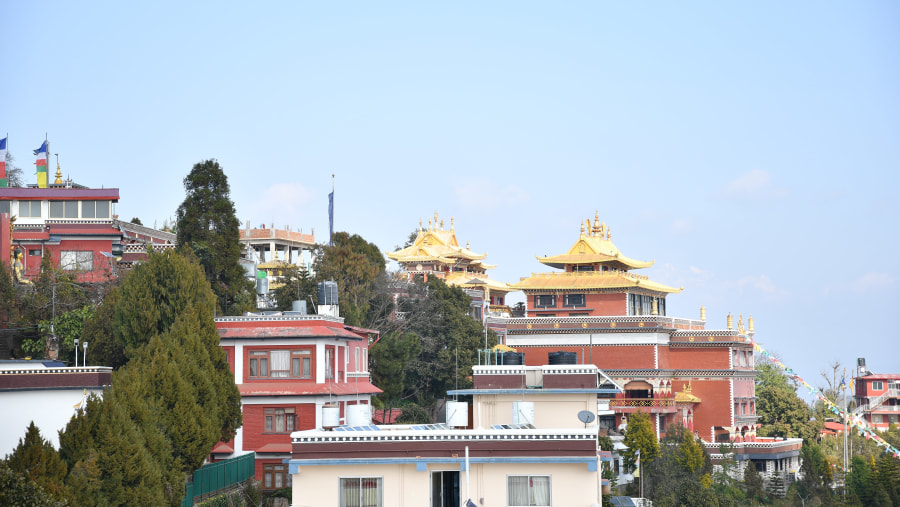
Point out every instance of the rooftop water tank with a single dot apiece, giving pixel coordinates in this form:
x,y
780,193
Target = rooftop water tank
x,y
328,292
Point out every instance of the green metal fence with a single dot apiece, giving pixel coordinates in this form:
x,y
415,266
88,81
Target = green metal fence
x,y
217,476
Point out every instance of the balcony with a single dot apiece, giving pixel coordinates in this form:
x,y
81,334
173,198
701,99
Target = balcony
x,y
651,405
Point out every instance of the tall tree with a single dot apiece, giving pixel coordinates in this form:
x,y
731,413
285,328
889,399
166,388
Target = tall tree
x,y
639,435
355,264
296,285
206,223
781,411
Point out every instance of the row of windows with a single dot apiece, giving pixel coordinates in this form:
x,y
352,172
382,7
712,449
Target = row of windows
x,y
297,363
521,491
639,304
549,300
281,363
61,209
76,260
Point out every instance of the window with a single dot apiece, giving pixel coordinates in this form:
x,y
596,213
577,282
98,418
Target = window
x,y
329,363
30,209
545,301
95,209
639,304
275,477
301,364
280,420
877,385
356,356
281,363
583,267
72,260
4,206
35,252
63,209
573,300
527,490
360,491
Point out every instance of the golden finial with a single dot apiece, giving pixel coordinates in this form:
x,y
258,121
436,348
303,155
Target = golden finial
x,y
730,321
741,323
430,228
608,233
750,324
582,229
654,308
703,313
58,180
420,224
596,228
467,246
442,224
452,229
435,219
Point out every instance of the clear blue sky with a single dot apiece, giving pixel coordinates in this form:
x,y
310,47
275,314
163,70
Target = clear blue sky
x,y
750,149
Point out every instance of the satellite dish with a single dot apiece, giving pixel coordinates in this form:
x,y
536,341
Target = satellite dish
x,y
586,416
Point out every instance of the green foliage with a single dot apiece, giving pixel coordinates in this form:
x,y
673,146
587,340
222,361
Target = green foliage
x,y
207,225
415,414
781,412
753,483
155,294
355,264
104,347
448,336
389,360
68,327
605,443
15,489
168,405
297,285
816,473
37,460
681,474
639,435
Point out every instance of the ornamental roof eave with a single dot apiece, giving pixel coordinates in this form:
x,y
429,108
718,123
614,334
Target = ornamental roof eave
x,y
618,261
472,280
590,280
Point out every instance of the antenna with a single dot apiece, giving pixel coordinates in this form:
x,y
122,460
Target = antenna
x,y
586,416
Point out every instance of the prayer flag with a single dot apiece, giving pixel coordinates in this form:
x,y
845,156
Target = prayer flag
x,y
3,180
41,164
331,218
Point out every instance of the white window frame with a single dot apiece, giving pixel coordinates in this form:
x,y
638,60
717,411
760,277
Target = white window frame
x,y
76,260
30,206
342,500
529,494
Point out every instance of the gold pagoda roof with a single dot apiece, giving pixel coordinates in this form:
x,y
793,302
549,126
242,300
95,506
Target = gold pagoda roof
x,y
275,264
588,280
472,280
686,396
594,246
438,245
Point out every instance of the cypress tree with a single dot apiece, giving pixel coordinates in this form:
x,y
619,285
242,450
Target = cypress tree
x,y
37,460
207,225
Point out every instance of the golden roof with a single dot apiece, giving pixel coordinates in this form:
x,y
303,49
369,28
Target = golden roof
x,y
587,280
472,280
436,244
594,246
275,264
686,396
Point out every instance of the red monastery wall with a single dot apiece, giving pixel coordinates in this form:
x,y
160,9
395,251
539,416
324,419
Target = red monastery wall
x,y
693,358
611,357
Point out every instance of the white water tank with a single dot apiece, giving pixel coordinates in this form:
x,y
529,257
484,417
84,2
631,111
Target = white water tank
x,y
523,412
331,415
457,414
359,415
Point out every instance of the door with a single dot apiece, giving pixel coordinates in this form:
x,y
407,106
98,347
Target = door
x,y
445,489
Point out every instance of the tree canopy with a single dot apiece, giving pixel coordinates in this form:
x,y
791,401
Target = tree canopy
x,y
780,410
355,264
207,225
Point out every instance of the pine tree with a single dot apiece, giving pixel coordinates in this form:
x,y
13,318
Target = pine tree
x,y
207,225
640,435
37,460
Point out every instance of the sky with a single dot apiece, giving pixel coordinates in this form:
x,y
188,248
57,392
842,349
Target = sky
x,y
749,149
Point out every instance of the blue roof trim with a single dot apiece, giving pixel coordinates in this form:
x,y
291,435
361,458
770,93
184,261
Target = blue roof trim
x,y
295,464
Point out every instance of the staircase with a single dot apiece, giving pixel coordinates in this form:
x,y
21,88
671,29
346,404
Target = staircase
x,y
872,403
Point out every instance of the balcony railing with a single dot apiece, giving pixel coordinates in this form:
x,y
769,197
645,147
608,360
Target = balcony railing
x,y
652,405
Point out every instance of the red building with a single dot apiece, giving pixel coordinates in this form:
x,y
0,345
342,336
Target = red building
x,y
877,397
600,311
294,372
70,222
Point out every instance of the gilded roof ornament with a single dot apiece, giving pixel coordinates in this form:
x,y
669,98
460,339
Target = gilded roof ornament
x,y
703,313
729,322
452,228
596,228
442,224
741,323
750,324
58,180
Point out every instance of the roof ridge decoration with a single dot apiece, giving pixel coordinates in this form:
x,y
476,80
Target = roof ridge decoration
x,y
436,243
594,246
